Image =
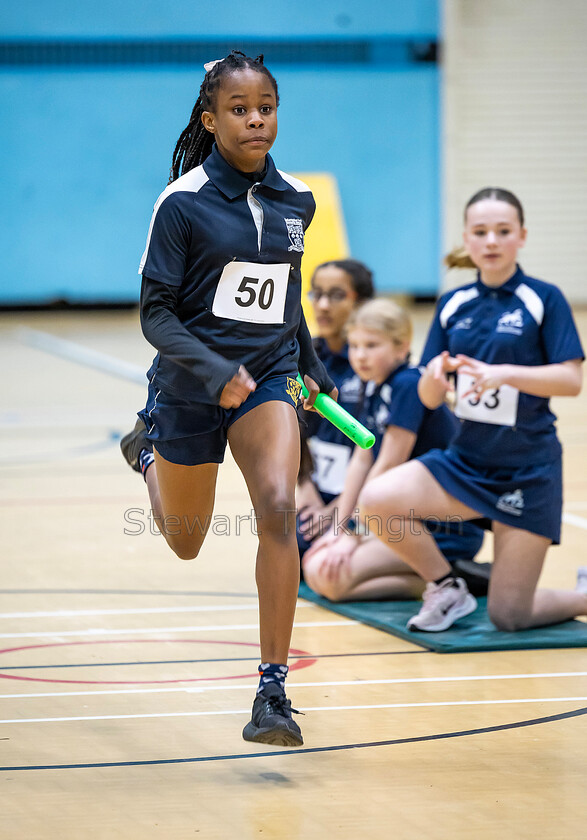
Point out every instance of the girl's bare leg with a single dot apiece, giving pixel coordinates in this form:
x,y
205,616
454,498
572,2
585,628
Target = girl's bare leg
x,y
374,571
397,501
514,602
265,443
182,499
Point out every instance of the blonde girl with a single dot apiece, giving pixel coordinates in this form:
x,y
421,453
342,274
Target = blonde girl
x,y
347,566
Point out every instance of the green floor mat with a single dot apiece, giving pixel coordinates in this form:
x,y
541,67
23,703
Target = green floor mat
x,y
475,632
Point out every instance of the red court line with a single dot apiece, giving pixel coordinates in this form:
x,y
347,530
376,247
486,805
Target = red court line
x,y
295,666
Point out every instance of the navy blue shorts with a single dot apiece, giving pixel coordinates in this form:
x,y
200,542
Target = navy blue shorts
x,y
528,497
188,433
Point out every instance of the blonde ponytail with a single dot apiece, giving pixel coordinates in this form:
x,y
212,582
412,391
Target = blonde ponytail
x,y
458,258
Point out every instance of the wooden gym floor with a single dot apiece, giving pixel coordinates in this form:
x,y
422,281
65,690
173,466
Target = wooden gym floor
x,y
127,675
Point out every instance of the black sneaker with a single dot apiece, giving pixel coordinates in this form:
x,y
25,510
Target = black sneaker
x,y
271,721
133,443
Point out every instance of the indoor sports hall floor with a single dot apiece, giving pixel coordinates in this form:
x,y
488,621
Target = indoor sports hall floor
x,y
127,674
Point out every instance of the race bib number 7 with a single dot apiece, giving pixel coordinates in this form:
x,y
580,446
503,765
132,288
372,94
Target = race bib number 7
x,y
331,461
252,292
498,406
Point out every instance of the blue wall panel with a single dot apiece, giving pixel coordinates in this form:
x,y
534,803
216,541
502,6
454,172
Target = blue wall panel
x,y
261,18
85,154
86,149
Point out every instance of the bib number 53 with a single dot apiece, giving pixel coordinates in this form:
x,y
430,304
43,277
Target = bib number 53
x,y
498,406
252,292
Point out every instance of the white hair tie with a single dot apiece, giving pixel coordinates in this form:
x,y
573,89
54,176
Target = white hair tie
x,y
210,64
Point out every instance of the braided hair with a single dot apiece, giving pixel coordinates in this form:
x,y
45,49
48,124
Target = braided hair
x,y
195,142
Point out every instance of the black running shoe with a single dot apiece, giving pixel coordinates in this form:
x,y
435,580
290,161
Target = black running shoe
x,y
133,443
271,721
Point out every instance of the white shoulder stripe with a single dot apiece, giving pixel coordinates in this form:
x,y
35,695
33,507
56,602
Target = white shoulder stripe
x,y
456,301
294,182
531,301
192,181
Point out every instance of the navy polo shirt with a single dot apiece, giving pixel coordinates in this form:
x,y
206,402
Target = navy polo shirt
x,y
350,390
524,322
396,403
233,249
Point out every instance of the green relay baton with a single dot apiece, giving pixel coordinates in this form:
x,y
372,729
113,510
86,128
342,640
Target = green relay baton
x,y
339,417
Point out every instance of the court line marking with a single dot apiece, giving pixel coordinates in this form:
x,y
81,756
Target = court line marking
x,y
298,751
573,519
108,631
217,712
296,685
80,354
142,611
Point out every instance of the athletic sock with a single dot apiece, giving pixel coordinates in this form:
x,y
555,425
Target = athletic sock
x,y
270,672
450,576
146,458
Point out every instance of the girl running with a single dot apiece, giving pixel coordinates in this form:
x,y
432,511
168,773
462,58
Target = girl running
x,y
221,302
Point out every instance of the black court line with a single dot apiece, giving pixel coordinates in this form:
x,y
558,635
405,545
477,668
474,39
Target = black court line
x,y
309,750
199,661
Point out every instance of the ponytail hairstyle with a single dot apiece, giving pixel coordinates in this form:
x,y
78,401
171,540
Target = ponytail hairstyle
x,y
384,316
458,257
195,142
360,276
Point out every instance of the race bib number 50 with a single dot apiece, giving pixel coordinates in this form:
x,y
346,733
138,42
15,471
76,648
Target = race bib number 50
x,y
252,292
496,405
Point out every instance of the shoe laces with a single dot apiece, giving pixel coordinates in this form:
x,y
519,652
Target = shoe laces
x,y
281,704
435,591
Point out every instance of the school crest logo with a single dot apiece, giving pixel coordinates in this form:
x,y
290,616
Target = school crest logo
x,y
511,322
293,389
464,324
381,419
295,231
350,390
385,393
512,503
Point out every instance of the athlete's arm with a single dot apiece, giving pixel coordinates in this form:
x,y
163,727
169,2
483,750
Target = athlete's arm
x,y
556,380
163,329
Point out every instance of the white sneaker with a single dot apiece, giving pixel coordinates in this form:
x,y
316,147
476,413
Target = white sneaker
x,y
444,603
582,580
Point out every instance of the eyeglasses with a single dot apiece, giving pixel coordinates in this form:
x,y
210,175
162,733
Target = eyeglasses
x,y
334,295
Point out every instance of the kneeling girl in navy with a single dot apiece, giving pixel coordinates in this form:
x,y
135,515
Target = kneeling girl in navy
x,y
512,343
221,302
